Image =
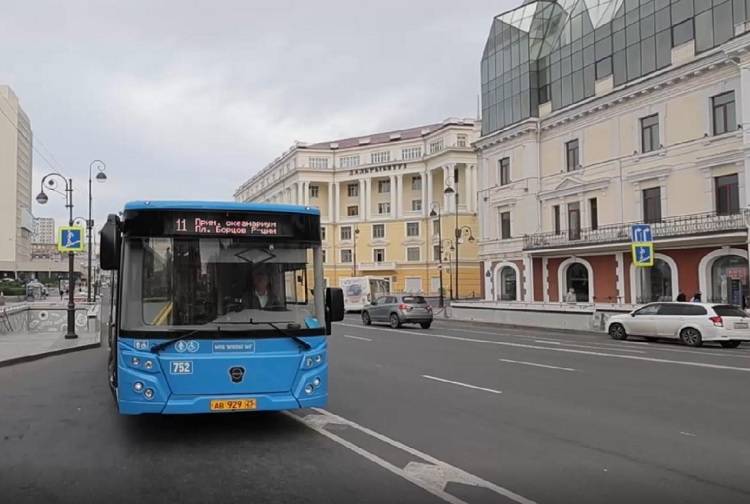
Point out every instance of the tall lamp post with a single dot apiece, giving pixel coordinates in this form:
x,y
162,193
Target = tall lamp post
x,y
42,200
100,177
459,230
354,250
447,246
435,212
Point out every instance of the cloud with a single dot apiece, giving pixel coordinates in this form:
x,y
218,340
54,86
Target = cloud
x,y
189,99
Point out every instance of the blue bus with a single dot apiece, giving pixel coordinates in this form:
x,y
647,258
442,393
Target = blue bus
x,y
217,307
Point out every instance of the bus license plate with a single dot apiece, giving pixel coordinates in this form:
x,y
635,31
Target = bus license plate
x,y
233,405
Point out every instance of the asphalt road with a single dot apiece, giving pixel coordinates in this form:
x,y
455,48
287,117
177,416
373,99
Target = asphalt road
x,y
457,413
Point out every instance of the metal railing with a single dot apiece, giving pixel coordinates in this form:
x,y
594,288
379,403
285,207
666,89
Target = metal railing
x,y
670,227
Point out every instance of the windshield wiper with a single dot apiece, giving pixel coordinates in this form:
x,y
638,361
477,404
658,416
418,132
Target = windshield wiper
x,y
304,344
161,346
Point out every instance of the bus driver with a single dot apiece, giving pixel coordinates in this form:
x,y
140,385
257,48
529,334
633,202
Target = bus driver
x,y
261,297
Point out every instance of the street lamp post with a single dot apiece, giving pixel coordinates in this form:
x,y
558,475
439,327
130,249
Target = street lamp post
x,y
42,199
435,212
459,230
100,177
354,250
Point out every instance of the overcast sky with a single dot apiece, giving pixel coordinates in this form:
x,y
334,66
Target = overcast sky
x,y
187,99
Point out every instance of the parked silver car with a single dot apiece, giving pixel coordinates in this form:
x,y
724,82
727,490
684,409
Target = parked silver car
x,y
397,309
693,323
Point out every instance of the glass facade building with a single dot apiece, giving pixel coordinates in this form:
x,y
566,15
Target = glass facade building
x,y
546,51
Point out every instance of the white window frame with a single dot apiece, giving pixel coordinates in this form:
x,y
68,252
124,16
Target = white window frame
x,y
341,233
419,254
349,191
378,226
419,230
374,255
344,261
384,186
413,209
416,183
384,205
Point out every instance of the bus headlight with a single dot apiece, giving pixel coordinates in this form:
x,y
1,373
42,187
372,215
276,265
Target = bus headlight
x,y
138,387
148,364
135,361
148,394
309,362
318,359
309,389
316,382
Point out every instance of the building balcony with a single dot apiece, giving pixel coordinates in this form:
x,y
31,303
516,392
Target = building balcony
x,y
377,266
671,227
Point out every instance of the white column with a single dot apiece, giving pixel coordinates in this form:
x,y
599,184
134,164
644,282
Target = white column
x,y
528,276
330,201
425,201
545,283
394,190
303,193
368,198
362,199
337,202
429,190
400,195
471,199
745,115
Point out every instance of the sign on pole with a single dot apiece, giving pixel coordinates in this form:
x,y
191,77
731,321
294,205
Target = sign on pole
x,y
643,254
641,233
70,239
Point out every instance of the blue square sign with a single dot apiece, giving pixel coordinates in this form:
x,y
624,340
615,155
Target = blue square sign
x,y
641,233
643,255
70,239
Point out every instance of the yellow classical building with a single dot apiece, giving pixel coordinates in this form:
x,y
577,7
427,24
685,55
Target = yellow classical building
x,y
392,204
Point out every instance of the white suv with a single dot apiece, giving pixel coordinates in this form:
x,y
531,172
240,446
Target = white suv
x,y
693,323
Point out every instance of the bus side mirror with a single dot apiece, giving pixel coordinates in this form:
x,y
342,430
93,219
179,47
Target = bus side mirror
x,y
110,244
334,306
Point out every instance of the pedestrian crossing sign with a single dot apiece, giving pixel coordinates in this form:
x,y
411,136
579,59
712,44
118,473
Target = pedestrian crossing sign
x,y
70,239
643,255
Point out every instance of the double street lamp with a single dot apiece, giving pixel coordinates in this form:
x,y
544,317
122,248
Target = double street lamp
x,y
42,198
459,231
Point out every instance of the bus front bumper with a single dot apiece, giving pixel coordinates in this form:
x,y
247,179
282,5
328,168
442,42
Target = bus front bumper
x,y
183,405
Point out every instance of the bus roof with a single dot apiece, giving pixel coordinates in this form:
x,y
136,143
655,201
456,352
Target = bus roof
x,y
221,206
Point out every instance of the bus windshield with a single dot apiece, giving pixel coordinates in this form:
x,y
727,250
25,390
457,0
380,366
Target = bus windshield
x,y
189,283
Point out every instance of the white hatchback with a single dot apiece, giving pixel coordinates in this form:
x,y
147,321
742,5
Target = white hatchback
x,y
693,323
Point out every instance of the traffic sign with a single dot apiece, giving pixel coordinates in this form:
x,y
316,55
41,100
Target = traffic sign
x,y
643,254
70,239
641,233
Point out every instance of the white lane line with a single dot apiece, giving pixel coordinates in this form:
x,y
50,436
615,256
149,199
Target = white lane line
x,y
688,434
569,350
547,342
461,384
537,365
433,477
356,337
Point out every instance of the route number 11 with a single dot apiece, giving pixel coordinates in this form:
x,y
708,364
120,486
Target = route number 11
x,y
181,225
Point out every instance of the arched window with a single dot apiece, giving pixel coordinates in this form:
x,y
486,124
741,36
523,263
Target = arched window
x,y
508,284
729,282
577,278
654,283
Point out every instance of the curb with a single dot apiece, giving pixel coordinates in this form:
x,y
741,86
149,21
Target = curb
x,y
51,353
517,326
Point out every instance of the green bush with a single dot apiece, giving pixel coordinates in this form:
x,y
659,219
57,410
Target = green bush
x,y
9,290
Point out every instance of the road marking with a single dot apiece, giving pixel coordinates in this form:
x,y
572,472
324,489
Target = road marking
x,y
537,365
356,337
689,434
432,476
547,342
461,384
569,350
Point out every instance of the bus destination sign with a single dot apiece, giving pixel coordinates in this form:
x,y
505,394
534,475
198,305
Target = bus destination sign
x,y
247,226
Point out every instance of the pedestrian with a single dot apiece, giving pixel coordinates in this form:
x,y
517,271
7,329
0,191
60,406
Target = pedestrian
x,y
681,297
696,298
61,294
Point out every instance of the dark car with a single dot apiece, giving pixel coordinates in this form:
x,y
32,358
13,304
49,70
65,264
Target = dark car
x,y
397,309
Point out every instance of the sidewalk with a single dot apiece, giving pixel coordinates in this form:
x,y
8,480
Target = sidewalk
x,y
22,346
